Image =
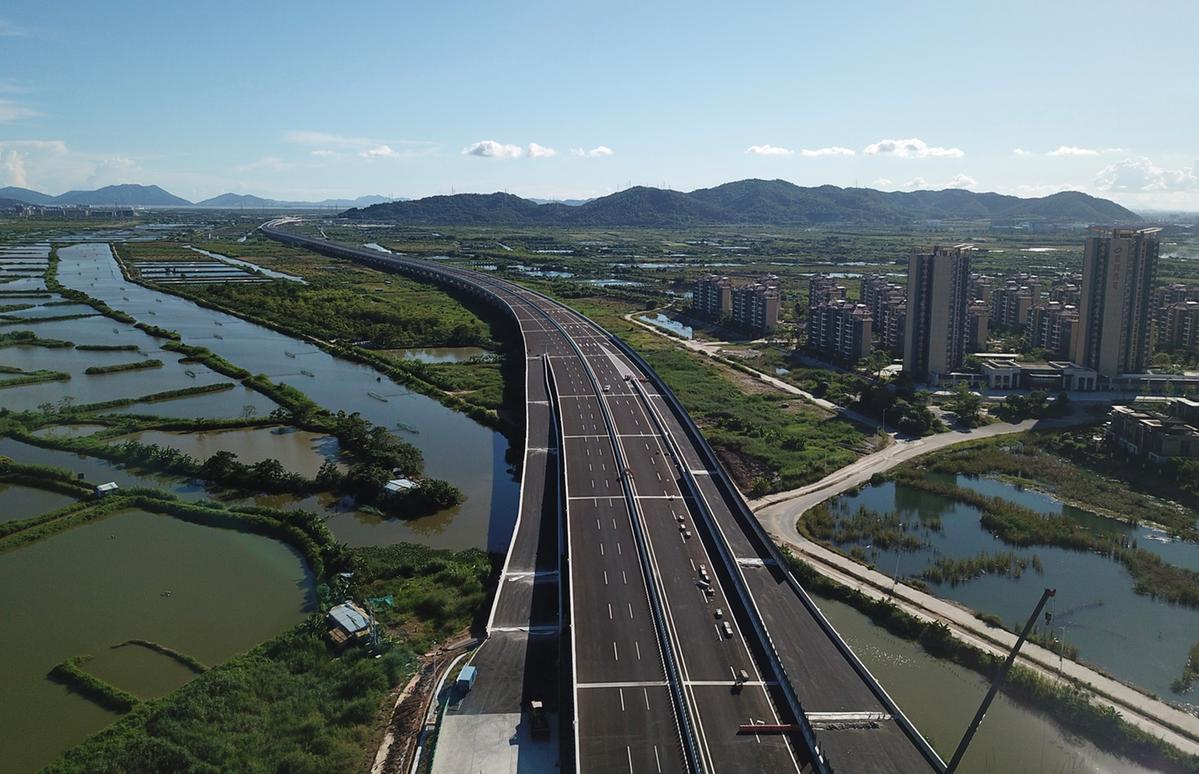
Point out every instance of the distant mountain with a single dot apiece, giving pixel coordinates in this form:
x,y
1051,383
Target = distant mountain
x,y
25,195
127,195
758,202
239,201
567,202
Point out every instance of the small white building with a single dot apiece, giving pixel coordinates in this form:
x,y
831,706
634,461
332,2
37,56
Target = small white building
x,y
106,489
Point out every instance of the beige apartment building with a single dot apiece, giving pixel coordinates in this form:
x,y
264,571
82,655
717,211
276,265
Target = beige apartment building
x,y
1118,272
935,341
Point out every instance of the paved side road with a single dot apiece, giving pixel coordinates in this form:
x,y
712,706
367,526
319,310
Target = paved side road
x,y
780,513
1158,718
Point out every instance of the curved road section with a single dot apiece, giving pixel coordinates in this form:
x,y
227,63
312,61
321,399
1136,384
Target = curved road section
x,y
640,599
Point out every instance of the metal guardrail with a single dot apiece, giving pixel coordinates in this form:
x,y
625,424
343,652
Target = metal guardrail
x,y
745,597
565,606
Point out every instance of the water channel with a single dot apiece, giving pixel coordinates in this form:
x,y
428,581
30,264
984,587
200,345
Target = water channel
x,y
455,447
939,697
1135,638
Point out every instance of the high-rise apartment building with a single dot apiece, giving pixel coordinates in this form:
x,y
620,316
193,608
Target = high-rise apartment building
x,y
977,325
1011,304
1118,271
712,296
887,303
1053,327
837,327
937,313
756,305
1181,329
1165,297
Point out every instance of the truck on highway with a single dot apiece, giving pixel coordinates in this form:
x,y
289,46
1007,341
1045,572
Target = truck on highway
x,y
466,679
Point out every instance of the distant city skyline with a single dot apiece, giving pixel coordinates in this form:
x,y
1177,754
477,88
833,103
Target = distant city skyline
x,y
580,100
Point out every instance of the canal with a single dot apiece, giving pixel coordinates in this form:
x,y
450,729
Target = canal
x,y
1136,638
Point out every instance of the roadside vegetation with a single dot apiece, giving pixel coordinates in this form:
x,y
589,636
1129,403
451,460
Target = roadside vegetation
x,y
769,440
1190,672
294,704
362,314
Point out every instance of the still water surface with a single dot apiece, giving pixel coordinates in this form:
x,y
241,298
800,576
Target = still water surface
x,y
1133,637
455,447
229,591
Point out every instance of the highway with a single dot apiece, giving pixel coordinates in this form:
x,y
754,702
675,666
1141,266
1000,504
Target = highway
x,y
681,624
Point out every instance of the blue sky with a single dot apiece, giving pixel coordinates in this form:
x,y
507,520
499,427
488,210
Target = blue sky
x,y
578,99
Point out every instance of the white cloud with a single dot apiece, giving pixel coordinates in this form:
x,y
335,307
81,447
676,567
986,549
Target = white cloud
x,y
113,170
768,150
818,152
961,181
599,150
12,167
10,30
380,152
305,137
540,151
881,183
916,183
490,149
1021,152
325,153
912,148
1139,174
12,111
1070,150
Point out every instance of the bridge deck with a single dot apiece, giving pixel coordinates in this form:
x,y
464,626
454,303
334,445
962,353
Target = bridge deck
x,y
651,664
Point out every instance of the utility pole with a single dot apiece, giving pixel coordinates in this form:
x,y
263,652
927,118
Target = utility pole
x,y
1003,670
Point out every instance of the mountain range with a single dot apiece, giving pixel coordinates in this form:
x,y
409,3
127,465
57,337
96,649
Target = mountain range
x,y
746,202
754,202
130,195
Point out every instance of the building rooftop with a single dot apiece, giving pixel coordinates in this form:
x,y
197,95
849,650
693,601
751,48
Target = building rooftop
x,y
349,617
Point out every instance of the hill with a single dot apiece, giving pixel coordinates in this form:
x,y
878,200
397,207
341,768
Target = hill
x,y
127,195
758,202
25,196
240,201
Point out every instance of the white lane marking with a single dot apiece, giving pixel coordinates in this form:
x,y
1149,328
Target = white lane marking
x,y
615,652
625,577
597,525
609,611
629,750
601,549
630,609
605,577
657,762
621,699
646,697
637,645
618,549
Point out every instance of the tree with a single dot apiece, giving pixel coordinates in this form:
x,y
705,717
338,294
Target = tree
x,y
966,404
878,360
